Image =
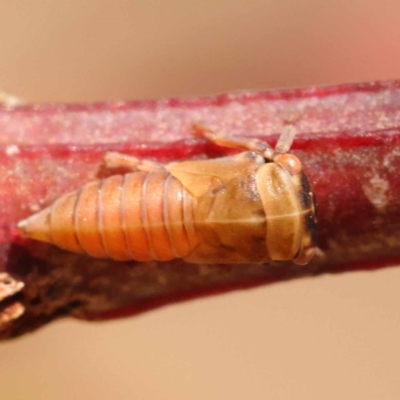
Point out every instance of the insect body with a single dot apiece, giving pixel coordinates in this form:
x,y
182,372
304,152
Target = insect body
x,y
256,206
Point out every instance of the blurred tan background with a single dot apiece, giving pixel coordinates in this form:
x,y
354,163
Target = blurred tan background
x,y
334,337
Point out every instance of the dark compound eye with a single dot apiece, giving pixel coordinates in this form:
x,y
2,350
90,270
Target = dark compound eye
x,y
306,196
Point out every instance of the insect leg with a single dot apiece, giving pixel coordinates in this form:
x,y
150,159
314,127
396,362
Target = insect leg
x,y
222,139
113,160
286,137
247,156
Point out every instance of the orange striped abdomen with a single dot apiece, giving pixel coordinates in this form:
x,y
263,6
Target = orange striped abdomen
x,y
138,216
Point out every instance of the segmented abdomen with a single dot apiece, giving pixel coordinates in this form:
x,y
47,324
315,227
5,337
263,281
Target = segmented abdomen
x,y
138,216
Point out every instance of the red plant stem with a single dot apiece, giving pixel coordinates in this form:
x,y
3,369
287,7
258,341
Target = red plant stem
x,y
348,140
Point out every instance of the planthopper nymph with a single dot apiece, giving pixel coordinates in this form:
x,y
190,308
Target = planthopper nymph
x,y
255,206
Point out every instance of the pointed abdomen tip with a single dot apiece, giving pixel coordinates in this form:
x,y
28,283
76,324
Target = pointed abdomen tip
x,y
22,227
37,226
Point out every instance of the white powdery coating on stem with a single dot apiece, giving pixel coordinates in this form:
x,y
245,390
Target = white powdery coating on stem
x,y
376,192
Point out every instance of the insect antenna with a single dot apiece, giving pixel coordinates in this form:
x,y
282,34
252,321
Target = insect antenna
x,y
286,138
